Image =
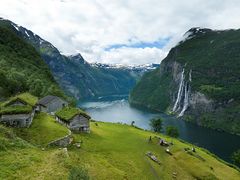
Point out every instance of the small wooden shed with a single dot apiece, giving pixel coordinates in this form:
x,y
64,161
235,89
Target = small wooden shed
x,y
75,119
51,104
18,111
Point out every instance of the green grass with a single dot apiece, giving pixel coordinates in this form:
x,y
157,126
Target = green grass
x,y
113,151
15,109
118,150
43,129
25,97
29,99
67,113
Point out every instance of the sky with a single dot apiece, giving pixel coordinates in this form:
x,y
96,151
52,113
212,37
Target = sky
x,y
119,31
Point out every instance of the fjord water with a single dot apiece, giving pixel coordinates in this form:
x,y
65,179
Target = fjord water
x,y
118,110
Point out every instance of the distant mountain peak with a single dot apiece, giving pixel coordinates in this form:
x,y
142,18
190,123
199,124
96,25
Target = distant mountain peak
x,y
78,58
198,30
143,67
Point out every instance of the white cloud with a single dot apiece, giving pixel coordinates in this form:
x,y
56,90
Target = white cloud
x,y
91,26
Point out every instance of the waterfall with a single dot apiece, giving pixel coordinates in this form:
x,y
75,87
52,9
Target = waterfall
x,y
186,100
180,90
190,75
182,101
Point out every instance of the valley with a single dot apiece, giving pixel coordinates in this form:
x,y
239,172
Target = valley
x,y
63,117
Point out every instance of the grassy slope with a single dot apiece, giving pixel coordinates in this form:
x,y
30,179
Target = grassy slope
x,y
43,130
110,151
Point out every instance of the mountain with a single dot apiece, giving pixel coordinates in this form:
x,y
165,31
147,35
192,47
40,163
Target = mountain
x,y
21,67
199,80
76,76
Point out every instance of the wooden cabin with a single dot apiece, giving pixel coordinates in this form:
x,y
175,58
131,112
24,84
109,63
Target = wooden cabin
x,y
75,119
51,104
18,111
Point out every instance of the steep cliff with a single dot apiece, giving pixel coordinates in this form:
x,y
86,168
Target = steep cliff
x,y
199,80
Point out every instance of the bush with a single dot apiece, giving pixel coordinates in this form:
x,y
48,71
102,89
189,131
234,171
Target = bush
x,y
172,131
236,157
156,124
78,173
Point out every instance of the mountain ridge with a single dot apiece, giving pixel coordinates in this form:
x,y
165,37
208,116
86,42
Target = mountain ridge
x,y
22,68
75,75
198,80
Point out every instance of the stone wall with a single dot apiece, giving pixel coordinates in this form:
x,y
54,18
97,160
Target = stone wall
x,y
62,142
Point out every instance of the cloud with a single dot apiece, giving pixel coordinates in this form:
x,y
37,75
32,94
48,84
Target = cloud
x,y
91,27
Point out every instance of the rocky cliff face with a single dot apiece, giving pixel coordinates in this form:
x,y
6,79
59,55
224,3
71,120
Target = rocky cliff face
x,y
198,80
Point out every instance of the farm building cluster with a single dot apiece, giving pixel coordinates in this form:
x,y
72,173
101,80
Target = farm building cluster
x,y
19,111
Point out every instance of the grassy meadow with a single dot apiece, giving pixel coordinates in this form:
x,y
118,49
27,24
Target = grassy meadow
x,y
110,151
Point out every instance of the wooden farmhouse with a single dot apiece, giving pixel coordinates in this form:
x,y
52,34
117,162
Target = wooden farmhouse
x,y
75,119
18,111
51,104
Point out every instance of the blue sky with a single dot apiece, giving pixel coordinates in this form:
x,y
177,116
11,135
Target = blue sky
x,y
157,44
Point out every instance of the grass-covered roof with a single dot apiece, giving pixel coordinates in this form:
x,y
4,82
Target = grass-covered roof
x,y
15,109
67,113
26,98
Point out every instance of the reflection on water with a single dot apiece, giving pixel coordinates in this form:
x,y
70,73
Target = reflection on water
x,y
219,143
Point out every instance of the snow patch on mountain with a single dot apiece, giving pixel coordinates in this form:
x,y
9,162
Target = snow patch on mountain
x,y
149,66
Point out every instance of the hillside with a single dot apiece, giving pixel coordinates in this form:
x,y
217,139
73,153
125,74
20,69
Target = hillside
x,y
198,80
76,76
110,151
22,68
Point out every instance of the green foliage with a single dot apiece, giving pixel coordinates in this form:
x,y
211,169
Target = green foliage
x,y
25,97
236,157
15,109
30,100
213,58
110,151
156,124
22,69
152,91
43,130
67,113
172,131
78,173
8,140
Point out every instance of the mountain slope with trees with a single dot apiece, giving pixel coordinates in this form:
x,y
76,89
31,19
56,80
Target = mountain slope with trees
x,y
76,76
22,68
198,80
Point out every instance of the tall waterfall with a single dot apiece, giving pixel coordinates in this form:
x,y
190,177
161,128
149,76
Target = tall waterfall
x,y
182,102
185,101
180,90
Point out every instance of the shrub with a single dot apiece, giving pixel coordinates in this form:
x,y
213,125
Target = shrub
x,y
236,157
78,173
156,124
172,131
